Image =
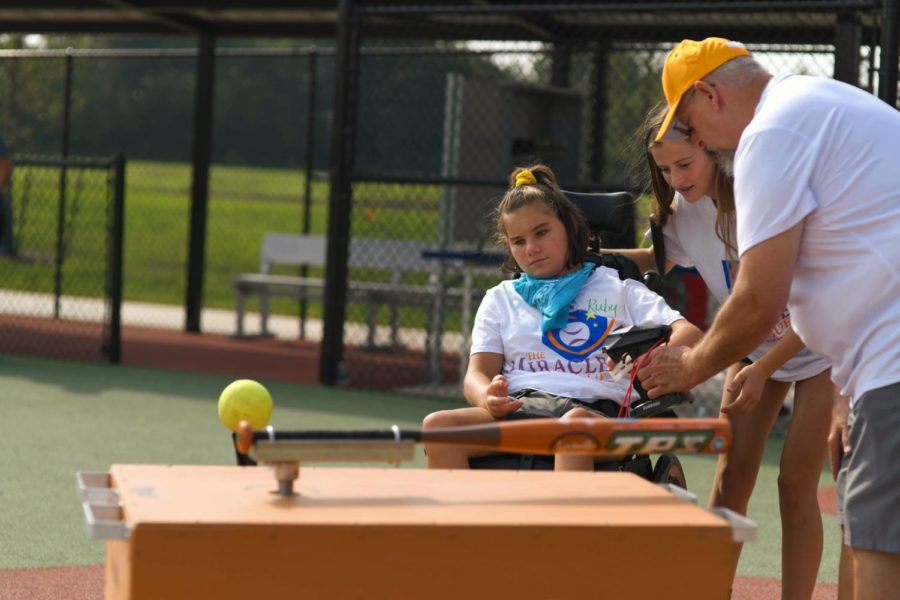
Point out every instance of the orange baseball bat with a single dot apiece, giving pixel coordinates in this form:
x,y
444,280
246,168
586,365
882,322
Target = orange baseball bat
x,y
609,437
606,437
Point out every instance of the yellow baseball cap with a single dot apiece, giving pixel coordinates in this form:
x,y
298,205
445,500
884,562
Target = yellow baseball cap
x,y
689,62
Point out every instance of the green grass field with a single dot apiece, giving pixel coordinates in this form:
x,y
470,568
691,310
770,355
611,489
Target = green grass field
x,y
63,417
245,204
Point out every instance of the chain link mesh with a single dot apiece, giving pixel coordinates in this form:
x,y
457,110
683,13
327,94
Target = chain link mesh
x,y
442,112
57,284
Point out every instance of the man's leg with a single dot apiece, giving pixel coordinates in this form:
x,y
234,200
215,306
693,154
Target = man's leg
x,y
876,575
845,572
869,492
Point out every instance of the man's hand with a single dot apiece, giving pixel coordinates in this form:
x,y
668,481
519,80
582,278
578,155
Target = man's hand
x,y
839,436
665,370
498,402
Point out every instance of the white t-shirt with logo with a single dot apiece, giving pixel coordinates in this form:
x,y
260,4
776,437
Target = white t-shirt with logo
x,y
569,361
828,154
691,241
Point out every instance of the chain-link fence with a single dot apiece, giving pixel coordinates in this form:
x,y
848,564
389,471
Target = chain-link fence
x,y
62,272
565,85
271,127
436,118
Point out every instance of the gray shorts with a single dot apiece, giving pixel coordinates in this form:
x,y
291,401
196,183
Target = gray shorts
x,y
868,484
544,405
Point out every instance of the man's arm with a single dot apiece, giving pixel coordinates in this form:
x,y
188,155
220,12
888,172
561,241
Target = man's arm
x,y
758,299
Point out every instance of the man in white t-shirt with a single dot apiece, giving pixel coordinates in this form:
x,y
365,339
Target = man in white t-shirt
x,y
817,193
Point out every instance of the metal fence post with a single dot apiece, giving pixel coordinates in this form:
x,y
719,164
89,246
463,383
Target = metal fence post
x,y
61,211
597,106
887,79
310,166
116,244
346,67
847,41
200,158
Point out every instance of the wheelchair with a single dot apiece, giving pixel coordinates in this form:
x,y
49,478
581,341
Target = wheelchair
x,y
611,219
610,216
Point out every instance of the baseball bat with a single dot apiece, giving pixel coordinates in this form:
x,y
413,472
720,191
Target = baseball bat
x,y
599,437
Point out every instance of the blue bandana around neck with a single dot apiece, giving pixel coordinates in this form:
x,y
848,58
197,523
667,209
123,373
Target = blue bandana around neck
x,y
553,296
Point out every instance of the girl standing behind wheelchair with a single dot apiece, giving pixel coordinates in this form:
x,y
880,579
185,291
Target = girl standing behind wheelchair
x,y
537,342
694,204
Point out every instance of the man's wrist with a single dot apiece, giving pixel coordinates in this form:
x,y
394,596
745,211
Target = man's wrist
x,y
690,361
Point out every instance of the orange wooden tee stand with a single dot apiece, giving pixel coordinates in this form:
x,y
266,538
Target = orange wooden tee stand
x,y
224,533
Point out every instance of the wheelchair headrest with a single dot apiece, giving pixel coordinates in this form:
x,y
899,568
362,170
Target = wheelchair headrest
x,y
610,215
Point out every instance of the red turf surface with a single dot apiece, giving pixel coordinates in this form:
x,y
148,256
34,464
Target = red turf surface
x,y
86,583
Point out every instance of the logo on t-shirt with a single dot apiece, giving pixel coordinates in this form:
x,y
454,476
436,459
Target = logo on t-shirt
x,y
781,327
582,336
729,270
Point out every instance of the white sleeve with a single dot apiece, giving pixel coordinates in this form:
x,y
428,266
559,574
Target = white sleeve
x,y
674,250
486,333
773,169
644,307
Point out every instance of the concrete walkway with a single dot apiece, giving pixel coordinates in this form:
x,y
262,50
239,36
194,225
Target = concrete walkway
x,y
223,322
212,320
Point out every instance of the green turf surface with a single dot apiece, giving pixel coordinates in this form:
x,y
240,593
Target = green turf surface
x,y
61,417
762,557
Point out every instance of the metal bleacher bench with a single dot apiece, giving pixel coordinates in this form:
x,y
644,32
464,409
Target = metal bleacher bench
x,y
398,257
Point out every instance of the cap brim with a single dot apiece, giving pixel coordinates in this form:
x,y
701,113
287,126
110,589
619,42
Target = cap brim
x,y
665,130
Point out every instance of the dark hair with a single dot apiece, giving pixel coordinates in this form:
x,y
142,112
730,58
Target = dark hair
x,y
663,194
544,190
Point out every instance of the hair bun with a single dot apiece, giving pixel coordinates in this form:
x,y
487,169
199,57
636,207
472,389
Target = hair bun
x,y
525,177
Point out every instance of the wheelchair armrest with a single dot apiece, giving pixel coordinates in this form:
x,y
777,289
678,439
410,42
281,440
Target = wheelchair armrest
x,y
632,343
651,408
635,341
653,280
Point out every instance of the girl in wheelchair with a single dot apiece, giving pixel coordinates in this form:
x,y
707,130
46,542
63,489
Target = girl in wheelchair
x,y
537,343
694,204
